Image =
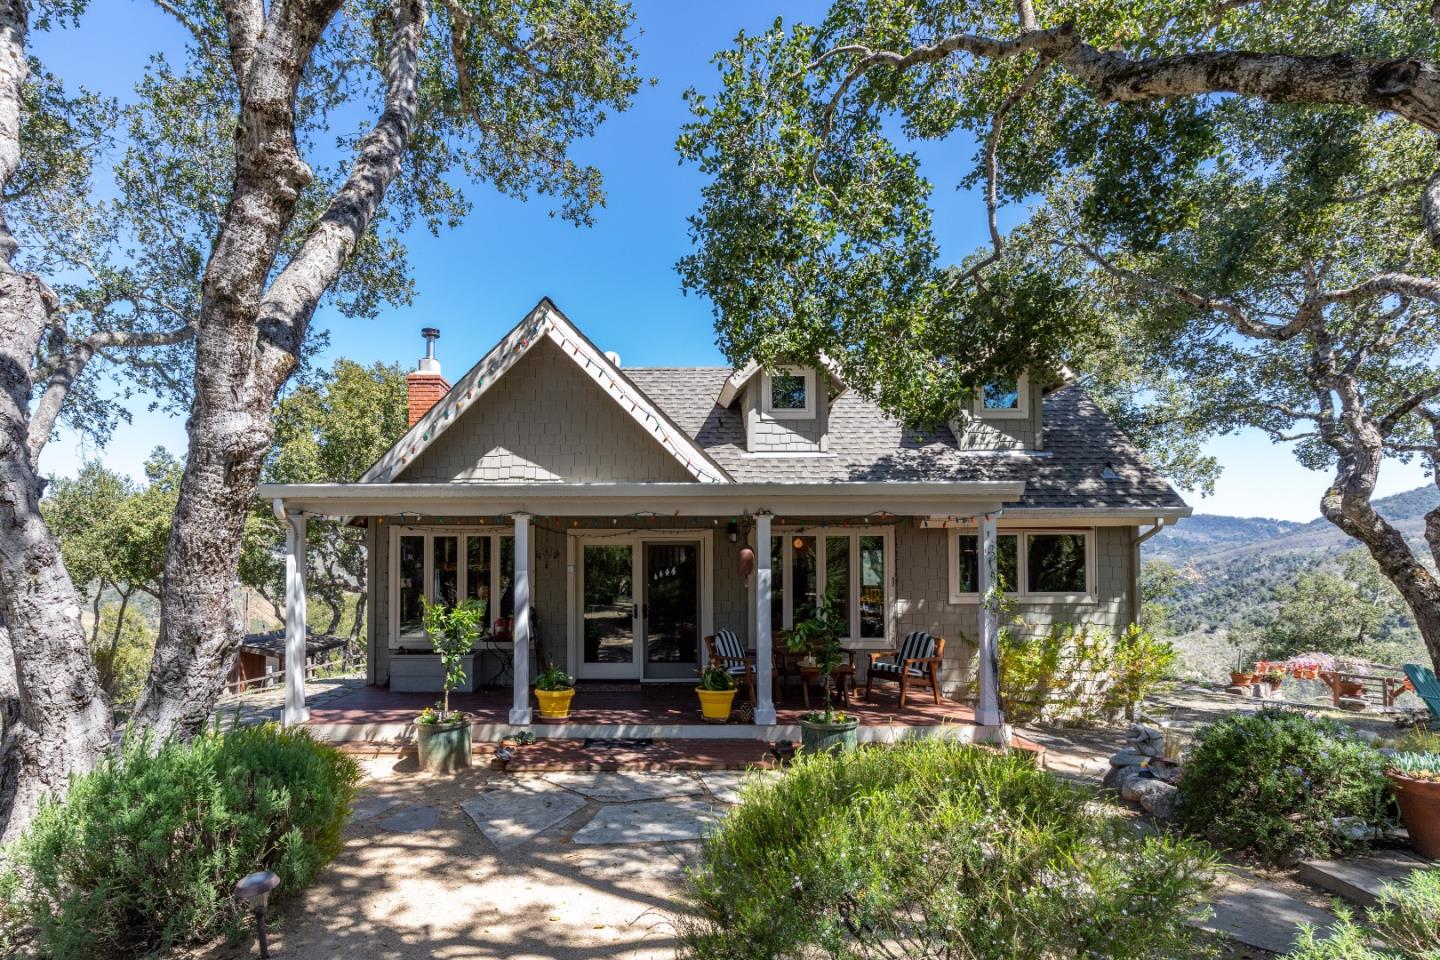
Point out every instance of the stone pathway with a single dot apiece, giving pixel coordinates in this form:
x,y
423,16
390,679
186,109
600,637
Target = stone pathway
x,y
1261,916
1359,880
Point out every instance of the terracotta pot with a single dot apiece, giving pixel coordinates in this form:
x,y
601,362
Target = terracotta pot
x,y
1238,679
1420,809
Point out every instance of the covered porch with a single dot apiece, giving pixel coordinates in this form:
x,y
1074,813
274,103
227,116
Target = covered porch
x,y
548,584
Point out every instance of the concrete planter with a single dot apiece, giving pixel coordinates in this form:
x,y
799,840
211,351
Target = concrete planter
x,y
816,737
444,747
422,673
715,705
1420,809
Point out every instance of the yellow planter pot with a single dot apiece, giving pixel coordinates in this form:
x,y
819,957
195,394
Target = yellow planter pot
x,y
554,704
715,704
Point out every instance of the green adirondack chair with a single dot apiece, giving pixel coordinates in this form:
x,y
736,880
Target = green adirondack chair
x,y
1427,688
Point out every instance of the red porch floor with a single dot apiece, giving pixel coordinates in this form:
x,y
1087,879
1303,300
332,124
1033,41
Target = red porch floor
x,y
604,704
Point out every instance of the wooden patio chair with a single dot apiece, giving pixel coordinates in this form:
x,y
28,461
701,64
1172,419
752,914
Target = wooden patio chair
x,y
726,649
1427,688
918,659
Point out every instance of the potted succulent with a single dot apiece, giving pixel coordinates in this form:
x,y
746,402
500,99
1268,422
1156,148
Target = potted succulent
x,y
554,689
1241,674
717,693
1415,778
819,636
443,735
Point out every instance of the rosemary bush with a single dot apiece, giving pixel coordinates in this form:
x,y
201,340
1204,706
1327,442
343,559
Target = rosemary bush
x,y
936,849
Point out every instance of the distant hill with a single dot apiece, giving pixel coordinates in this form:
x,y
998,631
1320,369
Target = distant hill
x,y
1234,566
1216,538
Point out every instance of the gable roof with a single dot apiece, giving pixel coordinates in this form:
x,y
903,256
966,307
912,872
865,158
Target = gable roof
x,y
865,444
546,321
740,376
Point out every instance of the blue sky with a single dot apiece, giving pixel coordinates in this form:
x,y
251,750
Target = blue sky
x,y
615,279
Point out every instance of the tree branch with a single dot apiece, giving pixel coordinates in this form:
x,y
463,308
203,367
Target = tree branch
x,y
63,377
288,305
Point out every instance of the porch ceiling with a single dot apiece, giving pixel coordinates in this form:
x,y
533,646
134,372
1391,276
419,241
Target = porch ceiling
x,y
915,498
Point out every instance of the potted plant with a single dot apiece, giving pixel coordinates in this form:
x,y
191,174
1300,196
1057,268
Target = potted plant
x,y
825,729
717,693
1274,677
442,735
1415,778
1241,674
554,689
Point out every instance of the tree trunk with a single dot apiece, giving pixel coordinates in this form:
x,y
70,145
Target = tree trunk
x,y
1347,505
63,725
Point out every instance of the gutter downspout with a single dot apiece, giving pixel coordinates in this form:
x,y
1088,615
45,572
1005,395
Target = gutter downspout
x,y
1135,560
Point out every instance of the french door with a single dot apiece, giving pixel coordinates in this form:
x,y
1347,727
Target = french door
x,y
640,613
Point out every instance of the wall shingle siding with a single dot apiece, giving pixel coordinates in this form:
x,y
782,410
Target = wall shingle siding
x,y
545,421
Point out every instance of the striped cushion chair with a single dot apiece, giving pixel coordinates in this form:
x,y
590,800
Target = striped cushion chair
x,y
917,661
726,649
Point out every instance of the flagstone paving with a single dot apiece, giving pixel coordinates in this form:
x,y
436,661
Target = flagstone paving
x,y
1360,880
626,787
654,821
1263,917
513,811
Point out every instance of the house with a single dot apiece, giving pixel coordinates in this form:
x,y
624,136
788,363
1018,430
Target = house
x,y
260,661
618,515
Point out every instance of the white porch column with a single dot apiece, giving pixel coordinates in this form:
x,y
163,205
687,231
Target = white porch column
x,y
987,712
520,706
764,661
295,709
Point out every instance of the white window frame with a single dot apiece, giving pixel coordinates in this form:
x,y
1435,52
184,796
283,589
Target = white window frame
x,y
767,395
1020,411
429,532
787,535
1022,591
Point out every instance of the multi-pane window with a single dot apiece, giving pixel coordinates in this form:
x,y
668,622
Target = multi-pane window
x,y
444,565
852,565
1038,563
787,391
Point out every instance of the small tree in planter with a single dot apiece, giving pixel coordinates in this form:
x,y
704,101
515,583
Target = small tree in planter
x,y
443,736
819,636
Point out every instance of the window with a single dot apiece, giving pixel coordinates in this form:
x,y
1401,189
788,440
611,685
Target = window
x,y
1007,567
1040,564
442,566
789,394
853,565
1008,398
1055,563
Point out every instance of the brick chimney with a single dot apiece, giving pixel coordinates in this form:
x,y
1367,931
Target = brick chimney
x,y
425,385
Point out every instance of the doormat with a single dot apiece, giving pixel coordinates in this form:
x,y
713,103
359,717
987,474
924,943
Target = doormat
x,y
595,686
618,743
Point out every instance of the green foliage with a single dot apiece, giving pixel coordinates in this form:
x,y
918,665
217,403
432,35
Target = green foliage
x,y
1416,766
1160,586
1062,671
1272,783
716,677
123,655
1403,925
144,852
819,636
553,678
935,849
453,631
1139,663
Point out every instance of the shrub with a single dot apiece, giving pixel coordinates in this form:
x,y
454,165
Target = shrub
x,y
935,849
1404,925
1139,663
145,851
1275,782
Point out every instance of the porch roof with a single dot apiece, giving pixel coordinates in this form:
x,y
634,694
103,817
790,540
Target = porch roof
x,y
901,498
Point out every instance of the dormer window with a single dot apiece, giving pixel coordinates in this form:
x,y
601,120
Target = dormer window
x,y
789,394
1004,399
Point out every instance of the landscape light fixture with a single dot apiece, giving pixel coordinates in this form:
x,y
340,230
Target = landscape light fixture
x,y
255,891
